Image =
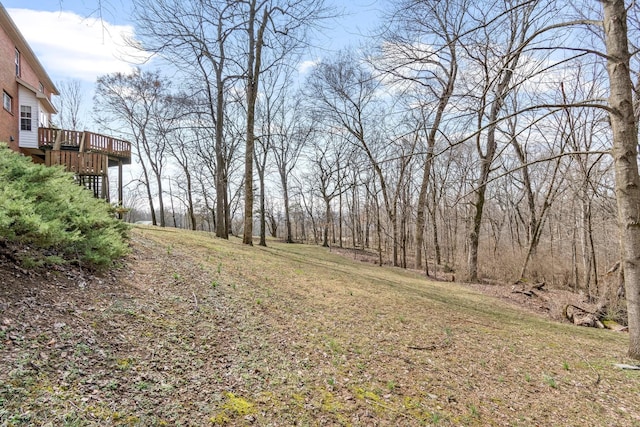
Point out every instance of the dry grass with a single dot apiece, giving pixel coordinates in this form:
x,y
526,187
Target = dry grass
x,y
199,331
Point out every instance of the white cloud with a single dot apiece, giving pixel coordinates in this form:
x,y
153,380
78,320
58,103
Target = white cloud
x,y
305,66
70,46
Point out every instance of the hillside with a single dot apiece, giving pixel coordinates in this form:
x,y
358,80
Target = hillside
x,y
193,330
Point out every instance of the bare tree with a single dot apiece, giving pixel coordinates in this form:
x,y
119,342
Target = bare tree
x,y
329,177
182,148
306,191
511,28
293,133
70,104
262,149
584,128
538,200
347,95
278,26
194,35
625,156
278,117
136,105
421,53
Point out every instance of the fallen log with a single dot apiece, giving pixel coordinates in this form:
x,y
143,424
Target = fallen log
x,y
615,326
582,317
527,289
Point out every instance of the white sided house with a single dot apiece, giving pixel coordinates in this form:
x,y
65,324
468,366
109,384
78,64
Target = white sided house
x,y
35,112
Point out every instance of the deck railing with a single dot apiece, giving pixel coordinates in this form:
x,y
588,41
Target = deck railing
x,y
83,141
79,163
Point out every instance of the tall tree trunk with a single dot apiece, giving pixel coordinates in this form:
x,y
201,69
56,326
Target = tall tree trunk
x,y
227,208
263,219
217,114
378,230
173,209
395,238
584,240
486,160
340,217
325,239
420,213
287,212
247,234
528,188
222,208
625,154
190,207
147,186
161,202
594,264
431,142
355,217
303,228
367,223
256,42
434,225
574,255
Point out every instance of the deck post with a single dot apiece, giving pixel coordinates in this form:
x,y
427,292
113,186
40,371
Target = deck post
x,y
82,142
120,194
58,141
105,188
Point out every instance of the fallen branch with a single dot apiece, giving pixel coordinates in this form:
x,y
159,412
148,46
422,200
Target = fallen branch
x,y
195,299
527,290
628,367
446,342
597,381
431,347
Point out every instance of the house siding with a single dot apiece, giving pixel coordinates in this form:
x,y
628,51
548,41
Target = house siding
x,y
8,120
32,74
29,139
44,119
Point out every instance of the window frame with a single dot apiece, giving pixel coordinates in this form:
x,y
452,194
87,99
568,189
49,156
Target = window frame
x,y
17,62
26,118
6,98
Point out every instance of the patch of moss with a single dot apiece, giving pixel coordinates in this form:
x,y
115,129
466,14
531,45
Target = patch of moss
x,y
105,413
298,399
330,403
364,394
233,407
124,364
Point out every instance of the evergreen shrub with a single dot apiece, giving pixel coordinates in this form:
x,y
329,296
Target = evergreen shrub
x,y
54,220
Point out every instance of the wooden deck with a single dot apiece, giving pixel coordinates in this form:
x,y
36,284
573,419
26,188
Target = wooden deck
x,y
85,142
79,163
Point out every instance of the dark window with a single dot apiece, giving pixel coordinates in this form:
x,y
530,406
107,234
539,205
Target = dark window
x,y
25,117
17,63
6,101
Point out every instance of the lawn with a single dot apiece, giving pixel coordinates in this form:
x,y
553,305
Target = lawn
x,y
195,330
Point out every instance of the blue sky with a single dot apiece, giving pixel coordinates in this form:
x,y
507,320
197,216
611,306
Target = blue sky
x,y
73,41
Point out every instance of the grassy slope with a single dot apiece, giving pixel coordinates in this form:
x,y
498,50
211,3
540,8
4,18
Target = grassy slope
x,y
201,331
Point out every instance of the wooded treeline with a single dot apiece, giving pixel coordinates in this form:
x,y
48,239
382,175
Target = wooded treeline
x,y
466,137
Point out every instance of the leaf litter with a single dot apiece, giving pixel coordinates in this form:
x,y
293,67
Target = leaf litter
x,y
193,330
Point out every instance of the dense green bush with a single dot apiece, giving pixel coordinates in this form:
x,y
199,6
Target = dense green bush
x,y
52,218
